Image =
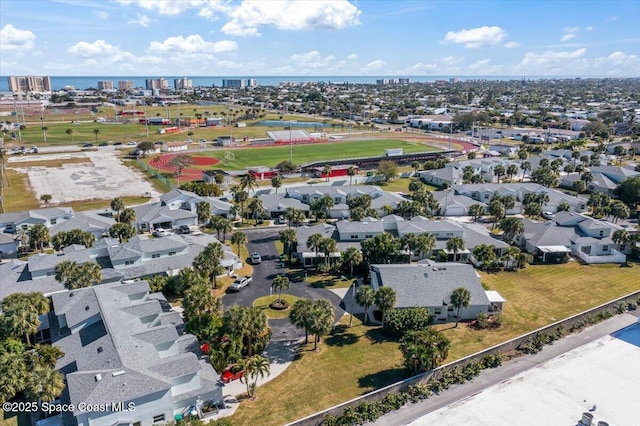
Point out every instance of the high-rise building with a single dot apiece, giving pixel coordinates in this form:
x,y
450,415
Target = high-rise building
x,y
233,83
125,85
182,83
403,80
105,85
156,83
29,83
252,82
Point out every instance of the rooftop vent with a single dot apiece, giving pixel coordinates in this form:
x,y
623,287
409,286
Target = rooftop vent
x,y
86,308
97,377
117,373
70,294
100,349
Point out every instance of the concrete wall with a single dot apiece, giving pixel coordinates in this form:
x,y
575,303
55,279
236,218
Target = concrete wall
x,y
510,345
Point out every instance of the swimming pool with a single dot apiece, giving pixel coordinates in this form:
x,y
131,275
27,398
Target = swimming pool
x,y
630,334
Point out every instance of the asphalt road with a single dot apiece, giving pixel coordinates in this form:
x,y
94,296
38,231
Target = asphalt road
x,y
262,240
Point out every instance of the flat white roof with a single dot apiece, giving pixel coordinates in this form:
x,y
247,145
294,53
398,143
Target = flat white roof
x,y
604,373
494,296
554,249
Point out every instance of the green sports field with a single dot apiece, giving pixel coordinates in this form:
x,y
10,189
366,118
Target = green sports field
x,y
271,155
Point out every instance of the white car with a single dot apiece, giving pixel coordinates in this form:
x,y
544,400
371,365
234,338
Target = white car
x,y
240,283
256,258
160,232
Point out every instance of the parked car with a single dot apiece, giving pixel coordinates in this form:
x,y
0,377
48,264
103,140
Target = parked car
x,y
132,143
160,232
184,229
256,258
548,215
281,220
87,145
117,143
231,373
240,283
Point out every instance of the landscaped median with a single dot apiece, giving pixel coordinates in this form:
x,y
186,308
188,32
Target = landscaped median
x,y
360,359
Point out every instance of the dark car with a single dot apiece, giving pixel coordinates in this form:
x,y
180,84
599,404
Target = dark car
x,y
184,229
117,144
104,144
87,145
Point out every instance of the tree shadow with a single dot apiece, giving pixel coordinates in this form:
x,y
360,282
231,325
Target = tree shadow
x,y
377,336
341,337
382,378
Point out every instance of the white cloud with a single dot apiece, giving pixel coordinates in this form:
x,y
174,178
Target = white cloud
x,y
511,44
621,58
419,68
485,67
546,62
376,65
192,44
571,29
477,37
84,49
568,37
101,14
165,7
612,18
13,39
451,60
230,65
291,15
143,21
312,59
352,57
589,28
234,29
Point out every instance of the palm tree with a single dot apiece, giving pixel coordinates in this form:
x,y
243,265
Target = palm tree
x,y
321,320
45,383
620,237
122,231
476,211
301,314
424,244
499,171
116,205
512,170
525,166
460,298
127,216
254,368
424,350
276,182
366,297
96,132
351,172
314,241
39,236
385,298
45,198
326,171
203,211
280,283
44,133
241,197
238,238
409,241
455,245
207,263
352,257
511,227
288,237
248,182
255,208
70,133
328,246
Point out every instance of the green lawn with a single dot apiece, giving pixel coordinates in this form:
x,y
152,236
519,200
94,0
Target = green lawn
x,y
360,359
264,301
270,156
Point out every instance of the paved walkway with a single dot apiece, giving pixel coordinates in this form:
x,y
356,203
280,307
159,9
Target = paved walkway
x,y
508,370
280,355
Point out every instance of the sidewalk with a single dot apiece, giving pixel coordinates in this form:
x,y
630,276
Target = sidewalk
x,y
487,378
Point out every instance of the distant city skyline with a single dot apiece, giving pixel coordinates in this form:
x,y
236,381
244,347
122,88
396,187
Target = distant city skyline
x,y
312,38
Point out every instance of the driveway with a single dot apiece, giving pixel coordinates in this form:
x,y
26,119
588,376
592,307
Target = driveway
x,y
262,240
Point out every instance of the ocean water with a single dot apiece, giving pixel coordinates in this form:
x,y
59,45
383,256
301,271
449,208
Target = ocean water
x,y
85,82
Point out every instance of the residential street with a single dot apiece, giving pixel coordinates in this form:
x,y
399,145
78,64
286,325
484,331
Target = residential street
x,y
262,240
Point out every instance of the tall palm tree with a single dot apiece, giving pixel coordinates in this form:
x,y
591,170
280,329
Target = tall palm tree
x,y
241,197
328,246
238,238
351,172
45,383
352,257
255,367
207,263
409,242
280,283
21,321
276,182
96,132
321,320
39,236
455,244
44,133
460,298
117,205
424,350
326,171
301,314
122,231
288,237
511,227
255,208
127,216
313,242
203,211
248,182
70,133
366,297
385,298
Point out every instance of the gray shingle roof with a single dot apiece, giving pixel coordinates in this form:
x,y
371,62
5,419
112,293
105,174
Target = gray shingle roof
x,y
430,285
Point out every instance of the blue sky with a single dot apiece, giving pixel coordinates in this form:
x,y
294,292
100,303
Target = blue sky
x,y
316,38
